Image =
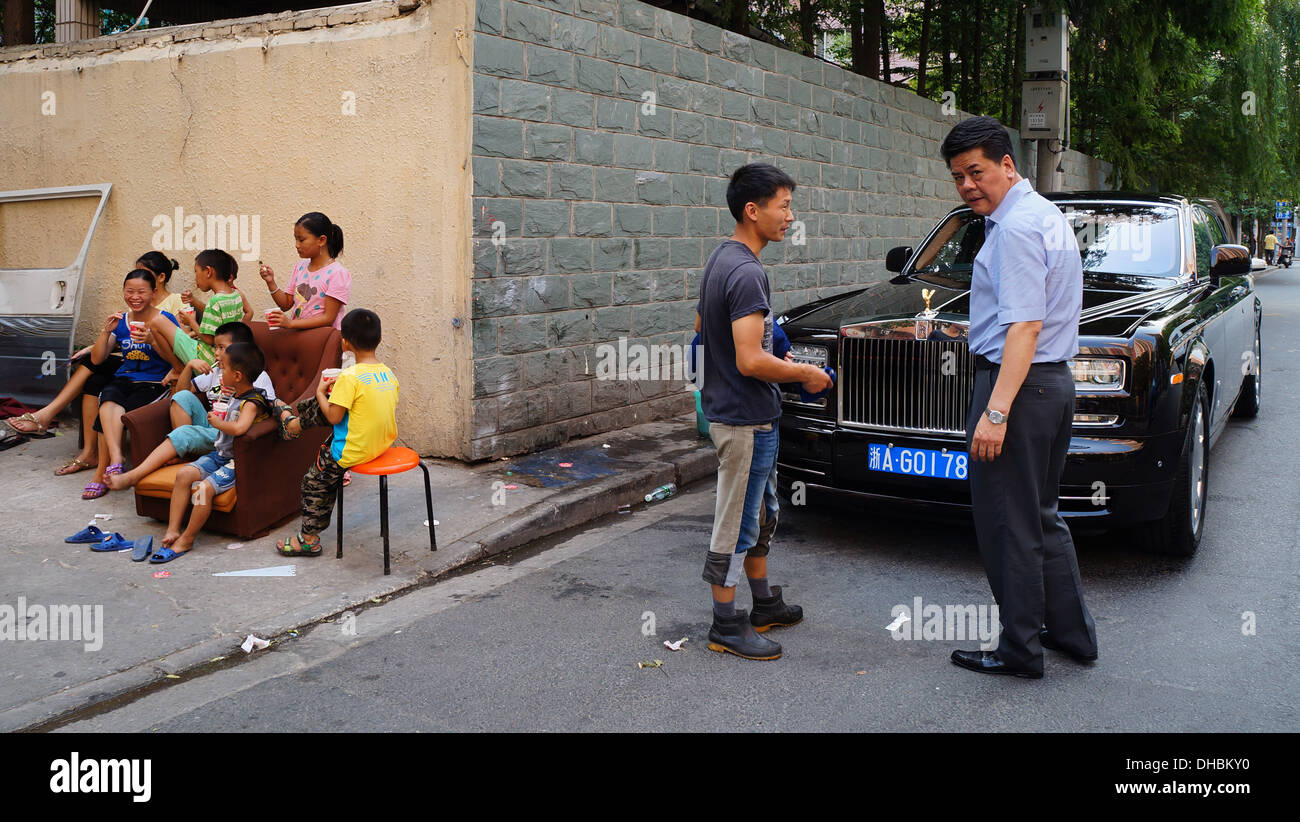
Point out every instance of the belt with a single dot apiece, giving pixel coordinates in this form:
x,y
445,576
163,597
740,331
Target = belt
x,y
983,363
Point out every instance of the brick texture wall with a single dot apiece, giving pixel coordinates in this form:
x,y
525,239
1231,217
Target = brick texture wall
x,y
604,132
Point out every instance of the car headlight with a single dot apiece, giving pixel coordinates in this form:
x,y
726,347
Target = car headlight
x,y
811,354
1093,376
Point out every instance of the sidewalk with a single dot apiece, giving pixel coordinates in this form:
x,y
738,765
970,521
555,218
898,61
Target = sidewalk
x,y
155,627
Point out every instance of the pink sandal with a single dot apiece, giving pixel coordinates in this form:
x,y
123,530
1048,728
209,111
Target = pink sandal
x,y
94,490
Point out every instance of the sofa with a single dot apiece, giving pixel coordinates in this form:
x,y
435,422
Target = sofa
x,y
268,470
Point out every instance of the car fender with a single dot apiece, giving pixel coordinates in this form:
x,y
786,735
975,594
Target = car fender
x,y
1196,362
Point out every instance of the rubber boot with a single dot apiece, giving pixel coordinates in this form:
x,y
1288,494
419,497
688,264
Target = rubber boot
x,y
773,612
736,636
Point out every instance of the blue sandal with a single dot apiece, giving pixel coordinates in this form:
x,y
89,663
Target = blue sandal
x,y
115,542
90,533
143,547
165,555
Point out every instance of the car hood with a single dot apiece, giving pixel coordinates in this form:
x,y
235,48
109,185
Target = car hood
x,y
1109,308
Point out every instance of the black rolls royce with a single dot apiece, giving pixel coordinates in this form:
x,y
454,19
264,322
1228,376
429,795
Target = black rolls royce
x,y
1168,351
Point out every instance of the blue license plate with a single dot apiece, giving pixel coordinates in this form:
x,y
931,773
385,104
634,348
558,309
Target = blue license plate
x,y
918,462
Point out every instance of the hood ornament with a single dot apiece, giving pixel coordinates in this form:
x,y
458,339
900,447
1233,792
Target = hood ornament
x,y
924,326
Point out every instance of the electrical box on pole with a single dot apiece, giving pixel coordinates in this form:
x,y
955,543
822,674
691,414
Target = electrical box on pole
x,y
1046,40
1043,109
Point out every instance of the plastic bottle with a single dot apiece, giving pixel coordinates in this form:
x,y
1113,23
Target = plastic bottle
x,y
662,492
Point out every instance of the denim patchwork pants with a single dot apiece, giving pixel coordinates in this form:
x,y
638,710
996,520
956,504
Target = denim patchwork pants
x,y
745,515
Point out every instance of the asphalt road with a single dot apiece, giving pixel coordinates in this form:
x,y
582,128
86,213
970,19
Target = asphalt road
x,y
549,640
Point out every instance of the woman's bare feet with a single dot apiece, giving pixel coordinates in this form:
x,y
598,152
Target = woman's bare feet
x,y
180,545
170,538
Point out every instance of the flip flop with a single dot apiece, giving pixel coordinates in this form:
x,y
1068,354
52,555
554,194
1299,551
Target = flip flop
x,y
76,465
114,542
94,490
113,468
89,534
164,555
10,440
40,429
141,549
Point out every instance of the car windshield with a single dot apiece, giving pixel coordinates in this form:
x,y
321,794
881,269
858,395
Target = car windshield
x,y
1115,241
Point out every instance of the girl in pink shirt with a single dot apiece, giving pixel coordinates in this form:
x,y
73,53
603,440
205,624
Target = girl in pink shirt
x,y
319,286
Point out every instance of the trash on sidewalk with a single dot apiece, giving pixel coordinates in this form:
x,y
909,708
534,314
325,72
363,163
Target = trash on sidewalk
x,y
234,545
511,487
173,676
103,516
435,522
254,642
566,465
662,492
604,445
161,574
272,571
658,663
676,646
625,509
63,564
898,622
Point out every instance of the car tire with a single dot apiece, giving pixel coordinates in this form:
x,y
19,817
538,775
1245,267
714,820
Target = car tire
x,y
1249,399
1179,533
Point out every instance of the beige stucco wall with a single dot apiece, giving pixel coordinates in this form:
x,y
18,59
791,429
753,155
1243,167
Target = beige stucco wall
x,y
249,120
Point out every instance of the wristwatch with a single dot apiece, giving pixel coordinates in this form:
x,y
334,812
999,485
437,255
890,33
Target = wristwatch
x,y
995,417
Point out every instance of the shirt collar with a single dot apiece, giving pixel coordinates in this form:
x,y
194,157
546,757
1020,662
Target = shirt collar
x,y
1013,196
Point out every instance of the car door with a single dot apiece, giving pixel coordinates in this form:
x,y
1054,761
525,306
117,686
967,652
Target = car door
x,y
1220,330
39,306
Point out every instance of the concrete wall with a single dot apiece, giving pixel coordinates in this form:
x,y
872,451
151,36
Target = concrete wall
x,y
248,117
608,207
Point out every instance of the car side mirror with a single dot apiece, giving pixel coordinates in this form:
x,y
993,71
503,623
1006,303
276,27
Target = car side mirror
x,y
1229,261
897,258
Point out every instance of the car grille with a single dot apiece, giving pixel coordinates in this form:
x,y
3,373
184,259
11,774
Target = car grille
x,y
910,386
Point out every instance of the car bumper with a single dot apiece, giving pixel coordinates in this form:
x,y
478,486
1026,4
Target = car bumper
x,y
1107,481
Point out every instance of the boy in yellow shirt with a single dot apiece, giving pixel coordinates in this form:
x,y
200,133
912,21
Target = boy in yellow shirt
x,y
361,405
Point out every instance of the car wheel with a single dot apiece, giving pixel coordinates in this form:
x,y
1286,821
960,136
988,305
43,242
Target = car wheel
x,y
1248,400
1179,533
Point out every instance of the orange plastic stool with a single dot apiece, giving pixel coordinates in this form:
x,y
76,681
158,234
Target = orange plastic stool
x,y
395,460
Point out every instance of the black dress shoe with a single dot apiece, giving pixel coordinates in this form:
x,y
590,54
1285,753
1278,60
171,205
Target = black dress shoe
x,y
1047,641
987,662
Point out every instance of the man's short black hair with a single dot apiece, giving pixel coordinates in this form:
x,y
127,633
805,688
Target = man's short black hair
x,y
239,333
360,327
247,359
755,183
978,132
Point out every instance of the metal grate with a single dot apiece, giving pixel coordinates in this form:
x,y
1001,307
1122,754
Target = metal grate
x,y
910,386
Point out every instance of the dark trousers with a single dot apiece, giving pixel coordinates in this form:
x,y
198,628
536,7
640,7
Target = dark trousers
x,y
320,485
1025,544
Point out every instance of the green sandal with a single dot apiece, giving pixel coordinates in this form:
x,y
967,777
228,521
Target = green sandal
x,y
295,546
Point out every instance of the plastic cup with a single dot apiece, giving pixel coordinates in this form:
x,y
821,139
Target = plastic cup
x,y
331,373
221,408
137,328
269,313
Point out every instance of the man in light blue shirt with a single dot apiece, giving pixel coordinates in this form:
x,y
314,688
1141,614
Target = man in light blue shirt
x,y
1026,296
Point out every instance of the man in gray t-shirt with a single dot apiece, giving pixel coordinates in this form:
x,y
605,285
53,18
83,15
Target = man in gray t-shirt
x,y
741,400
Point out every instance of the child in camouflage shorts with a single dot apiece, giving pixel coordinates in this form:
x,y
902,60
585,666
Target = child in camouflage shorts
x,y
360,404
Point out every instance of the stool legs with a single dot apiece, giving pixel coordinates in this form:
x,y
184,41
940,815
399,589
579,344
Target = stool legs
x,y
428,502
383,517
339,505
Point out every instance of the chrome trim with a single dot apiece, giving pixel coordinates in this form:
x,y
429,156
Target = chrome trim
x,y
892,382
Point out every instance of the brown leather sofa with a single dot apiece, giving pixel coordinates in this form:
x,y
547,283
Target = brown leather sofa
x,y
268,470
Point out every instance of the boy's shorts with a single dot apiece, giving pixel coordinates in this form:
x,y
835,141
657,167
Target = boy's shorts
x,y
186,348
218,471
197,438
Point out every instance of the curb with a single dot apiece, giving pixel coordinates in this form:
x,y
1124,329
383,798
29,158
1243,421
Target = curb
x,y
568,509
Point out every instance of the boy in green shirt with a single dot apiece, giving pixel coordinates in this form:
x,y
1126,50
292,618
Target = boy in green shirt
x,y
214,270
